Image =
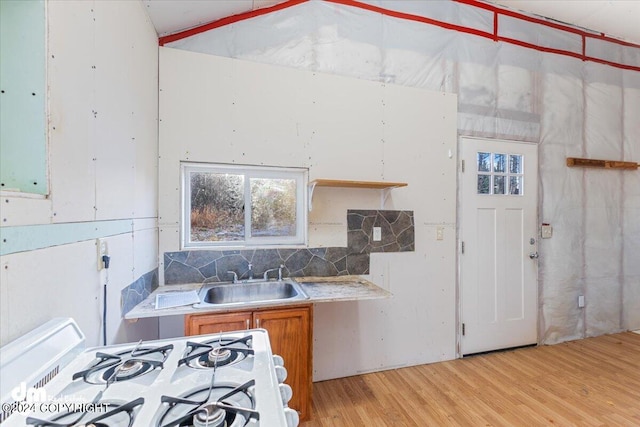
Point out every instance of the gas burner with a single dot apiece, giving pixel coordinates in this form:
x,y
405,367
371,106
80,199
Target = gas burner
x,y
214,406
217,352
124,365
95,414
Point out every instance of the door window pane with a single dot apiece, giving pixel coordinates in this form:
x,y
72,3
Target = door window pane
x,y
484,184
484,162
499,163
515,164
498,184
217,207
273,207
515,185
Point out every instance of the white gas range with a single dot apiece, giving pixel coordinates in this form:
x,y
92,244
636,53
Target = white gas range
x,y
228,379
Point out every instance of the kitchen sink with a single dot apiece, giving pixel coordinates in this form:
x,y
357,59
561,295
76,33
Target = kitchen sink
x,y
252,292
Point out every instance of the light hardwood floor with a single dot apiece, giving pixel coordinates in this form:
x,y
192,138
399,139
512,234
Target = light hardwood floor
x,y
590,382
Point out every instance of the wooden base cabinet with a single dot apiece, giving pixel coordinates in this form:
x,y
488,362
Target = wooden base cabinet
x,y
290,334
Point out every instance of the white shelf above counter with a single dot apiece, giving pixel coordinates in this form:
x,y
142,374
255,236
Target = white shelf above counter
x,y
383,186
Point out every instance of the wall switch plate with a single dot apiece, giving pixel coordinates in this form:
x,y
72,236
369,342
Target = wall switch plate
x,y
580,301
103,249
440,233
546,231
377,234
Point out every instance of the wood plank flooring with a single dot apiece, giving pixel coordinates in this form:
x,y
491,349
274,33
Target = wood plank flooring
x,y
590,382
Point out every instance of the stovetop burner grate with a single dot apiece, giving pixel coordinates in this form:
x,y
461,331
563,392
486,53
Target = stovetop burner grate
x,y
217,352
124,365
213,406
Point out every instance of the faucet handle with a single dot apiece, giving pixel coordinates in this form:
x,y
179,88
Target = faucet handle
x,y
235,276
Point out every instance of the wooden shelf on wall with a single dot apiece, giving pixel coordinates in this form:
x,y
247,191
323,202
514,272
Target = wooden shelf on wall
x,y
339,183
377,185
603,164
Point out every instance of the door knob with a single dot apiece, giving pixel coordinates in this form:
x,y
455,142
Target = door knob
x,y
533,255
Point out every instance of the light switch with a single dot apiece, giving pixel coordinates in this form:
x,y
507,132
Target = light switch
x,y
440,233
546,231
377,234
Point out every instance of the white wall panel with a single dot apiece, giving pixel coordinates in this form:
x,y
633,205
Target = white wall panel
x,y
71,56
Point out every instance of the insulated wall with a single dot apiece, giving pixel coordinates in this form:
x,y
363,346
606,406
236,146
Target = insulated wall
x,y
569,106
101,145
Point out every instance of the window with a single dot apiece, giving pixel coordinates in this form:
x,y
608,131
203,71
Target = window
x,y
228,205
500,174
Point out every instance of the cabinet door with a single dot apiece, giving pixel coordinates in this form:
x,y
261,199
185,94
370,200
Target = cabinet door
x,y
201,324
290,334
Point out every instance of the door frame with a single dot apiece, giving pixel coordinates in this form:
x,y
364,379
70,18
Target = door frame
x,y
459,210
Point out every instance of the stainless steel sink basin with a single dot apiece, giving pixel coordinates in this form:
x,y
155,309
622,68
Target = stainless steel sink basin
x,y
234,294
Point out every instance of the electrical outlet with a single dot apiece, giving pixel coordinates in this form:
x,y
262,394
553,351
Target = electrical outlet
x,y
377,234
440,233
103,249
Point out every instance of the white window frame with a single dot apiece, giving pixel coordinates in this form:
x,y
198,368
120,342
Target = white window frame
x,y
301,176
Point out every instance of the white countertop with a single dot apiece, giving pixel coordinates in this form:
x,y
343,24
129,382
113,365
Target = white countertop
x,y
319,289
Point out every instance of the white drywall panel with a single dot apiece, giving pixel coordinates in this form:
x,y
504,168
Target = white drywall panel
x,y
71,55
20,210
64,281
341,128
103,105
345,124
145,244
57,281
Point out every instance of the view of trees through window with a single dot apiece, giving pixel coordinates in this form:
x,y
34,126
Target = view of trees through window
x,y
217,210
273,207
217,207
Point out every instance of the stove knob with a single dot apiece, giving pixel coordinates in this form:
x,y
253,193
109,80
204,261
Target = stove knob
x,y
286,393
278,360
281,374
292,417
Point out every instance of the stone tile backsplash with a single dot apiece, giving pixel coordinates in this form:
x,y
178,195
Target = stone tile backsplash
x,y
397,227
204,266
133,294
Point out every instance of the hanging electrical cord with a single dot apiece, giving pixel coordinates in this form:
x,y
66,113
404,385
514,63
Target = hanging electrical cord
x,y
105,261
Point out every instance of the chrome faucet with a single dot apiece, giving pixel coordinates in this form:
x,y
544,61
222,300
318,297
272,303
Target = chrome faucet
x,y
235,276
274,269
250,271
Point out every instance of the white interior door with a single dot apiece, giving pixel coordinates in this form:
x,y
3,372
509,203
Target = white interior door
x,y
498,233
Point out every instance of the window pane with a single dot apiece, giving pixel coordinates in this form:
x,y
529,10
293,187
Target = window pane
x,y
515,164
484,162
484,184
217,207
499,163
515,184
498,184
273,207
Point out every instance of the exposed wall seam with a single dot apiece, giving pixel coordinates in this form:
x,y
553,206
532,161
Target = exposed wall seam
x,y
25,238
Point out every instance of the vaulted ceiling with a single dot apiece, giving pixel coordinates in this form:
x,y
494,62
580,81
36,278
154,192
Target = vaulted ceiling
x,y
615,18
